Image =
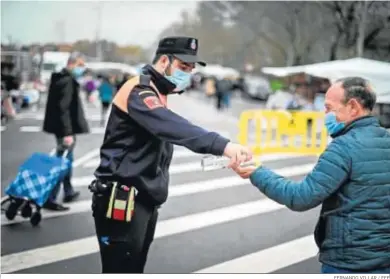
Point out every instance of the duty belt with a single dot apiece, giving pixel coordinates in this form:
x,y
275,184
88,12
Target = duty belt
x,y
98,186
121,203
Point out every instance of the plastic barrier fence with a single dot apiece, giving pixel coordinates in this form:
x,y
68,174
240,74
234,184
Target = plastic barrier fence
x,y
270,131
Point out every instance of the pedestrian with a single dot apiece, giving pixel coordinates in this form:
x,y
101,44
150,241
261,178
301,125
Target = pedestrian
x,y
223,88
351,180
125,78
89,84
133,174
228,92
64,118
8,83
106,93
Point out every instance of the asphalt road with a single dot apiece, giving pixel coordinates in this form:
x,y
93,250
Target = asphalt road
x,y
212,222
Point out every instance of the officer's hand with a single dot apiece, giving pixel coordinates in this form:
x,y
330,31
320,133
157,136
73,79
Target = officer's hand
x,y
237,154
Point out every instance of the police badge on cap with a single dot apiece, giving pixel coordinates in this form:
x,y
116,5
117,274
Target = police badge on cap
x,y
193,44
183,48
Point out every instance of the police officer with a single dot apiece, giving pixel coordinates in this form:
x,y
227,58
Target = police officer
x,y
132,178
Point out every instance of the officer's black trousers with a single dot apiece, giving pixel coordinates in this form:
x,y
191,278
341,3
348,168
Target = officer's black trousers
x,y
124,246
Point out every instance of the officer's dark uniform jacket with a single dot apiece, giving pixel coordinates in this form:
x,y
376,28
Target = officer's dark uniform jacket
x,y
137,148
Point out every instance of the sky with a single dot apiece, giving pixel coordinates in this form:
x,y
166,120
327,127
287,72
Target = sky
x,y
125,22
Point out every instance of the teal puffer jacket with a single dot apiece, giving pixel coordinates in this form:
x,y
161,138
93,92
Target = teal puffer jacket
x,y
352,181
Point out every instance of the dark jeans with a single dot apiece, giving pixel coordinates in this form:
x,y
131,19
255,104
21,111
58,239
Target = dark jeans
x,y
68,188
124,246
219,97
105,107
330,269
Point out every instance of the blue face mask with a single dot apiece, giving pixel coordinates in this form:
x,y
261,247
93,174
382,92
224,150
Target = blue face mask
x,y
331,123
181,79
78,71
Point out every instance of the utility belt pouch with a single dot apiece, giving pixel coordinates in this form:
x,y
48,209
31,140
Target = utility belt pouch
x,y
121,203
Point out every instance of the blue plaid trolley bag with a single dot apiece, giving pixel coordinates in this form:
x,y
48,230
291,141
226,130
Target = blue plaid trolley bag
x,y
36,178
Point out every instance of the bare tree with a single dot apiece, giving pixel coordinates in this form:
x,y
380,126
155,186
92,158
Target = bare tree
x,y
358,23
290,27
287,33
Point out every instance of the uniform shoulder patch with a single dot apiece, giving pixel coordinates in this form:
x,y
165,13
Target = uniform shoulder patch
x,y
153,102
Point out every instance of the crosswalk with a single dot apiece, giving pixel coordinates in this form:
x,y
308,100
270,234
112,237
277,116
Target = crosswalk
x,y
37,118
92,113
213,222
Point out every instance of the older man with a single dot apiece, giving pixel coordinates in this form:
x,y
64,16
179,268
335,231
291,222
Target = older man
x,y
64,118
351,180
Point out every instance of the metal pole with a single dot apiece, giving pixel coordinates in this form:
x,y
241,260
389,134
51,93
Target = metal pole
x,y
362,27
98,30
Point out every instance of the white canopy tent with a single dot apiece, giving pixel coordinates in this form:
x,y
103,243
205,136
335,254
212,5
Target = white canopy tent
x,y
353,65
101,66
378,73
217,71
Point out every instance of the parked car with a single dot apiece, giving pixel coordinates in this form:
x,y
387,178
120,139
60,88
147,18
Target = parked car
x,y
29,93
257,87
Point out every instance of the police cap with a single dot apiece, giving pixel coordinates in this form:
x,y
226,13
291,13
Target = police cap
x,y
183,48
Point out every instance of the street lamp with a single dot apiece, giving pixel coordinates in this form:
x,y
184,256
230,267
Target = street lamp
x,y
98,30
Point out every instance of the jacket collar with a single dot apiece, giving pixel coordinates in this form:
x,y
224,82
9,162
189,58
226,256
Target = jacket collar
x,y
67,73
357,123
163,85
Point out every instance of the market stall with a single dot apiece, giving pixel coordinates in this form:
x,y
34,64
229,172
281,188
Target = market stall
x,y
376,72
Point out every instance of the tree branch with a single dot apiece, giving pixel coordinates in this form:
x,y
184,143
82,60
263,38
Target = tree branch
x,y
371,36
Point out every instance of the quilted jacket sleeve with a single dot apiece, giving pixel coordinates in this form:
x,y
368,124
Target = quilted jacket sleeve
x,y
331,170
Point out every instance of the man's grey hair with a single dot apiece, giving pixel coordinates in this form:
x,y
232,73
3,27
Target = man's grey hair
x,y
358,88
74,56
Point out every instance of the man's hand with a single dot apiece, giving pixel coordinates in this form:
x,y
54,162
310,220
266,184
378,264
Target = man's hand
x,y
237,153
244,172
68,140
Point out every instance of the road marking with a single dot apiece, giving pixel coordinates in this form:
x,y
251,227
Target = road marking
x,y
31,129
269,260
174,169
30,115
86,157
94,117
86,246
98,130
185,153
82,181
181,153
40,116
35,129
3,128
183,167
174,191
192,166
76,207
232,181
212,111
